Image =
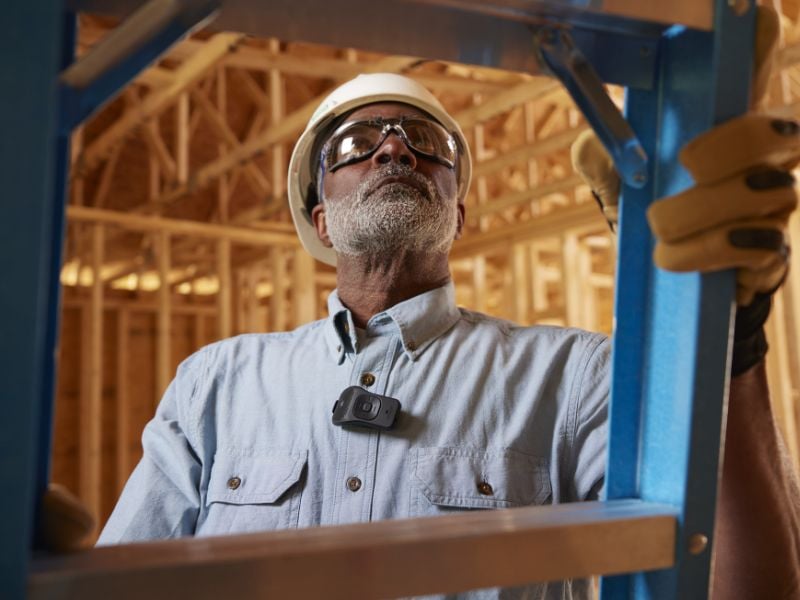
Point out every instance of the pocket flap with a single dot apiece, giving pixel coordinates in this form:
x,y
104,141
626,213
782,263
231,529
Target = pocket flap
x,y
254,478
471,478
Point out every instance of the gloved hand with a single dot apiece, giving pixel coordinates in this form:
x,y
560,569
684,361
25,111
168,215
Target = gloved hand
x,y
66,522
591,161
736,214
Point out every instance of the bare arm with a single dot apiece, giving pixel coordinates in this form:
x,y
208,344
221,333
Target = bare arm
x,y
758,512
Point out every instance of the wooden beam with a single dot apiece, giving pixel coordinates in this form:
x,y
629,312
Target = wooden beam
x,y
147,306
105,178
182,138
390,558
223,185
279,132
304,288
159,149
248,58
255,237
277,303
224,293
123,428
154,103
520,272
551,224
199,322
255,177
515,199
277,109
501,102
536,149
92,400
163,349
252,89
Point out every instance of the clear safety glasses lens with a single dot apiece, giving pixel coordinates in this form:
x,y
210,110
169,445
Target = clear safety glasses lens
x,y
357,141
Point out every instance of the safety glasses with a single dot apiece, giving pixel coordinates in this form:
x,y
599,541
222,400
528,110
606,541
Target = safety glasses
x,y
359,140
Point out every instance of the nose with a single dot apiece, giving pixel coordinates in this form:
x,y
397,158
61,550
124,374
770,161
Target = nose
x,y
393,149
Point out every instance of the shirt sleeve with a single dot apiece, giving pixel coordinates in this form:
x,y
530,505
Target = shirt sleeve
x,y
162,499
590,438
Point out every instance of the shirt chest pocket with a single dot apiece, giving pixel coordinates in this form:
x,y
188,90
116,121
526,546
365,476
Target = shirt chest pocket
x,y
448,479
250,492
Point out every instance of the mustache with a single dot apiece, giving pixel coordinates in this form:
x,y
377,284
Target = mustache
x,y
419,181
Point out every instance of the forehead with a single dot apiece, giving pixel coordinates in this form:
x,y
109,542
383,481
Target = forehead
x,y
387,110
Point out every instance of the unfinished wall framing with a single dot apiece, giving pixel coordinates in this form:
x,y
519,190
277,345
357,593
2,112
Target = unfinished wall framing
x,y
179,233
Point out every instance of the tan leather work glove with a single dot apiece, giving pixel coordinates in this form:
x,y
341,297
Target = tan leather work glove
x,y
66,522
736,214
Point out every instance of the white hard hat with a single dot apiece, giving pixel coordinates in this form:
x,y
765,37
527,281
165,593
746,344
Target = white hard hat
x,y
361,91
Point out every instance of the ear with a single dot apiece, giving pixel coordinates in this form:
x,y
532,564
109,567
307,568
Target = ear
x,y
461,218
321,224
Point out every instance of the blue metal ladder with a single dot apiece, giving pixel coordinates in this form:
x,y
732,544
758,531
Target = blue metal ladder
x,y
671,334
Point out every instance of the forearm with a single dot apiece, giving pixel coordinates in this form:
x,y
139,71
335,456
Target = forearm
x,y
758,512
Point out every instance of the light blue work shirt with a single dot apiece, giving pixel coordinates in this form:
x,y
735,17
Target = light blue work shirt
x,y
494,415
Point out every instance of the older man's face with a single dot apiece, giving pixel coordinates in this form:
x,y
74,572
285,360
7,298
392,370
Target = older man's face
x,y
392,201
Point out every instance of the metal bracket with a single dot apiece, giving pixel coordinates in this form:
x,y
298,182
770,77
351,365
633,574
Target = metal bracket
x,y
93,80
560,55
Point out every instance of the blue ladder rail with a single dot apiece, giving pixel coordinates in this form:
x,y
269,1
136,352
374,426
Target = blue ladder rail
x,y
671,335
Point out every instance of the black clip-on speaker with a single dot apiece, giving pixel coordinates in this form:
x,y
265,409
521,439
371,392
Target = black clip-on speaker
x,y
356,406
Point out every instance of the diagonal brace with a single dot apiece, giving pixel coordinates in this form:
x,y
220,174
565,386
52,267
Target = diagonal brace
x,y
562,57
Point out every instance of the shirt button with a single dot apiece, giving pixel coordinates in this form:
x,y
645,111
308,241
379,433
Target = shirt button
x,y
485,489
234,483
367,379
353,484
338,348
411,345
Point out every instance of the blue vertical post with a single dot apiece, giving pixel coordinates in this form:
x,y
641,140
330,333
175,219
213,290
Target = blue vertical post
x,y
32,168
670,363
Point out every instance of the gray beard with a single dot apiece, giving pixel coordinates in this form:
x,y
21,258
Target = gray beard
x,y
394,217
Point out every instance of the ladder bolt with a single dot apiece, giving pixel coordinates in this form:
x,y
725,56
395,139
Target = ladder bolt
x,y
697,543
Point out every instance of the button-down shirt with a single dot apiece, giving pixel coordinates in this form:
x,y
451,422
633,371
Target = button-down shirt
x,y
494,415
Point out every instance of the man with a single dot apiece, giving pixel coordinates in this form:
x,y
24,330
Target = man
x,y
493,415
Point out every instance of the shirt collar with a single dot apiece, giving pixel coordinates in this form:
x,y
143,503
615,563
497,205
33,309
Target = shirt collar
x,y
418,321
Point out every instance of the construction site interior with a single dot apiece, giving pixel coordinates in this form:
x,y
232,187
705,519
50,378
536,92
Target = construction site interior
x,y
179,232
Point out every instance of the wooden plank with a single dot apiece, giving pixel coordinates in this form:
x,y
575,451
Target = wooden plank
x,y
159,149
253,174
304,288
106,176
92,400
199,331
515,199
252,276
543,226
288,127
223,187
536,149
163,347
277,302
376,560
571,277
224,294
182,137
520,271
504,101
479,284
154,103
144,306
279,236
123,428
248,58
277,110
